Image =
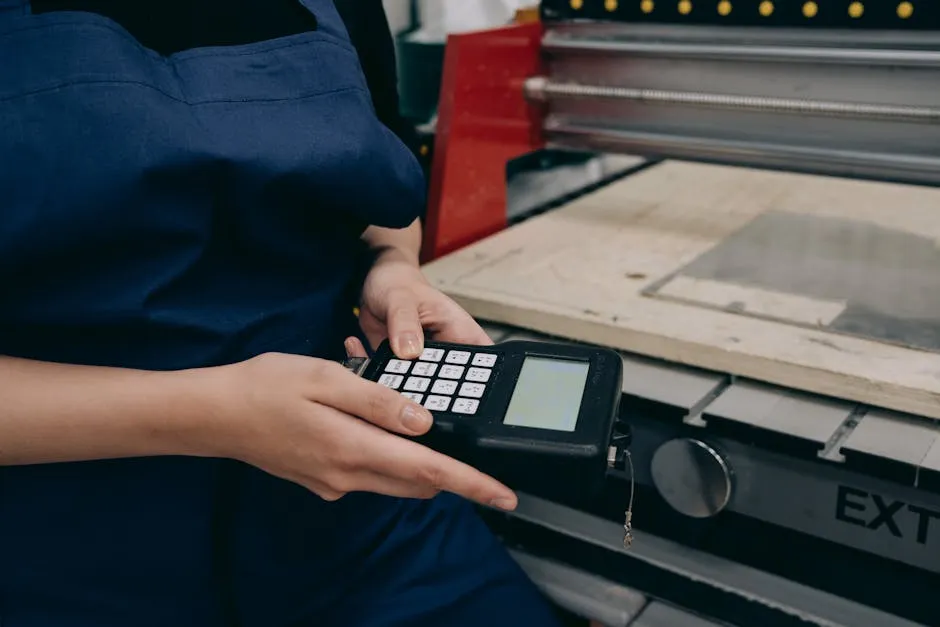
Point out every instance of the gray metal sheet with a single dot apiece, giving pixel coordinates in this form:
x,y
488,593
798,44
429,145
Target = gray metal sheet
x,y
823,259
662,615
673,385
928,475
584,594
931,461
892,436
802,416
788,597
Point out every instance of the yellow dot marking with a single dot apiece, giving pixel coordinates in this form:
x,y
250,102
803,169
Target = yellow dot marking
x,y
685,7
766,8
610,5
905,10
856,9
810,9
724,7
647,6
577,4
424,151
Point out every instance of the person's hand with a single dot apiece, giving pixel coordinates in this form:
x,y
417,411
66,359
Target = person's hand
x,y
398,303
314,422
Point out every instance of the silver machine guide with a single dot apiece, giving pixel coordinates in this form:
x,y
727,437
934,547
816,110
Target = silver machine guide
x,y
842,487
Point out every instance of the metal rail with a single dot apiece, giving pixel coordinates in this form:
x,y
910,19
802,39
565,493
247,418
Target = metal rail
x,y
805,159
860,105
910,49
779,53
544,89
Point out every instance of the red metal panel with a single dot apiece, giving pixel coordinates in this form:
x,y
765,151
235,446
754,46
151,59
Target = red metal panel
x,y
484,121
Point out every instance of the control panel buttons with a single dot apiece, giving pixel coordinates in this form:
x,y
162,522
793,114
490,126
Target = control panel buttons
x,y
417,384
414,396
444,387
432,354
484,360
457,357
451,372
397,366
479,375
443,380
467,406
393,381
472,390
424,369
437,403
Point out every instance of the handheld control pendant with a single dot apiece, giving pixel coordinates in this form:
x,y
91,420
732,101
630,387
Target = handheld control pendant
x,y
543,418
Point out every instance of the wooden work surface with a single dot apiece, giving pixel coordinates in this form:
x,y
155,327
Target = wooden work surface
x,y
825,285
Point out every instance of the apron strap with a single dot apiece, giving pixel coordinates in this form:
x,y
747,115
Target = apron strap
x,y
328,18
14,8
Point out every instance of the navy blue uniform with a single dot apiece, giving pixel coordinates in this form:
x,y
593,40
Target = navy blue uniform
x,y
187,209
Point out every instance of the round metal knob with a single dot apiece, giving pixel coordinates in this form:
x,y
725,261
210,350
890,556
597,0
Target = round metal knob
x,y
692,477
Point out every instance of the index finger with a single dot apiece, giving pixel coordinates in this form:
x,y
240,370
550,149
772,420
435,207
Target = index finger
x,y
345,391
415,463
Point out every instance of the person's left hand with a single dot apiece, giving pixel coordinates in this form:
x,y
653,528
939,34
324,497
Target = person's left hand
x,y
398,303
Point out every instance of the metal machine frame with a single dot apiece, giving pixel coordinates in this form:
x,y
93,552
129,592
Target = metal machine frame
x,y
858,103
848,103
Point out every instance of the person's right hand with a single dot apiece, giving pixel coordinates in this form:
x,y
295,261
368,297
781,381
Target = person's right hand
x,y
316,423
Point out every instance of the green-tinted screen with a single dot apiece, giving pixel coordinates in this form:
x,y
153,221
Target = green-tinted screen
x,y
548,394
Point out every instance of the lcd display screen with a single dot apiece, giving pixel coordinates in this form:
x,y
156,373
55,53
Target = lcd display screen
x,y
548,394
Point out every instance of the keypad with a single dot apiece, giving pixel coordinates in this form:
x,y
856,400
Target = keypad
x,y
443,380
432,354
457,357
437,403
466,406
417,384
485,360
393,381
424,369
480,375
452,372
397,366
472,390
444,387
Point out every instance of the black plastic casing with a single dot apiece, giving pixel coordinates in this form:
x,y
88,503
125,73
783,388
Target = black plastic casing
x,y
562,466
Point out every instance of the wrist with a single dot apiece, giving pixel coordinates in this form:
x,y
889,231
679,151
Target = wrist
x,y
397,254
399,244
197,416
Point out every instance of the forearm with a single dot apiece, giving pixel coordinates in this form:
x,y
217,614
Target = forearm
x,y
400,242
59,413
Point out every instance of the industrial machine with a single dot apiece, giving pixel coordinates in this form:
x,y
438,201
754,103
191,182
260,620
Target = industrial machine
x,y
830,87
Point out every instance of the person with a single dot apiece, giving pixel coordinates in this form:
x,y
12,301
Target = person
x,y
194,197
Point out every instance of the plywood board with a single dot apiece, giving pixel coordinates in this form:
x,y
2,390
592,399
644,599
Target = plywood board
x,y
826,285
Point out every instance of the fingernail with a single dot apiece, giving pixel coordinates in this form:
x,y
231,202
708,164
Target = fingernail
x,y
504,504
409,345
415,419
349,347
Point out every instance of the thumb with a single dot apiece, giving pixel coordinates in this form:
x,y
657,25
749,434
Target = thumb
x,y
354,347
404,325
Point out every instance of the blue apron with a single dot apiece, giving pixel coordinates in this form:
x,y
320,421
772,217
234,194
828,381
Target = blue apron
x,y
192,210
